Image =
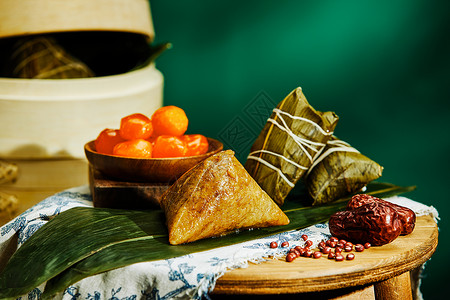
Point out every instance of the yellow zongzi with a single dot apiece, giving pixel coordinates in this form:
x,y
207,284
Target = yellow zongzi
x,y
217,197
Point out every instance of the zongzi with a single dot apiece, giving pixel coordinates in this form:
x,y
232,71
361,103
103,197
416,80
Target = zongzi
x,y
41,57
217,197
293,137
339,171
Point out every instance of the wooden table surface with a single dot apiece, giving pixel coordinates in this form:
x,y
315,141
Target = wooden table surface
x,y
40,179
312,275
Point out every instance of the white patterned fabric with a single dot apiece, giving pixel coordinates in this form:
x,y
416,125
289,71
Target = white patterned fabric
x,y
188,277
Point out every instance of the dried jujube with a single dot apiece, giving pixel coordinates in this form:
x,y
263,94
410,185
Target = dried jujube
x,y
406,216
375,222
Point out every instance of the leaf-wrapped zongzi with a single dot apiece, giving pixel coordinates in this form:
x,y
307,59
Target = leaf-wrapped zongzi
x,y
290,141
339,171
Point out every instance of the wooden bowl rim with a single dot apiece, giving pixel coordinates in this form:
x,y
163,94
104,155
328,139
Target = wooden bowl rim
x,y
90,147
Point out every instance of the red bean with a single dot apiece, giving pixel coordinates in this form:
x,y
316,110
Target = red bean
x,y
339,257
308,253
331,255
317,254
293,250
322,245
273,245
367,245
359,248
304,237
285,244
350,256
302,251
290,257
326,250
308,243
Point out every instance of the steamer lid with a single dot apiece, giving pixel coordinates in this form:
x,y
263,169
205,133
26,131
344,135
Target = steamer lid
x,y
26,17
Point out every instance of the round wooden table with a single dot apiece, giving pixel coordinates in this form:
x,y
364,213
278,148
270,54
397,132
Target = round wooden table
x,y
378,272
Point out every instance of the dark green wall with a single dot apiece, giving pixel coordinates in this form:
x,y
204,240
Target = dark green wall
x,y
382,66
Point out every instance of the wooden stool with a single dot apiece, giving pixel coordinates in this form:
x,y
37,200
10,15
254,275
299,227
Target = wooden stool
x,y
376,273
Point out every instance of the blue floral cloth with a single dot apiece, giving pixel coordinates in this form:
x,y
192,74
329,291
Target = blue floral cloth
x,y
192,276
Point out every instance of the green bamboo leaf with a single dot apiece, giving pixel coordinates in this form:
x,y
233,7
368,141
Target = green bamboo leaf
x,y
81,242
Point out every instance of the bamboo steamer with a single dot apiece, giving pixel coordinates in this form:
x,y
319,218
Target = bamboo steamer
x,y
43,118
27,17
54,118
44,123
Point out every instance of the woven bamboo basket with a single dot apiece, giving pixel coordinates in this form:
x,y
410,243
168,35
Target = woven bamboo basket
x,y
58,90
44,117
27,17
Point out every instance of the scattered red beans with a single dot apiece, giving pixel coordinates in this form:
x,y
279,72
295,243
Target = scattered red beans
x,y
273,244
350,256
323,248
359,248
317,254
339,257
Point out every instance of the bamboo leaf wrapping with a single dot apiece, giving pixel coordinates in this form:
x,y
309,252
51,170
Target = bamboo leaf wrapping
x,y
289,142
81,242
339,171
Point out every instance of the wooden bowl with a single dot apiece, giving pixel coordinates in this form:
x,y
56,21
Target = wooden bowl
x,y
151,170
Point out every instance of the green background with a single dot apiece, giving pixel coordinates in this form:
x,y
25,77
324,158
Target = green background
x,y
382,66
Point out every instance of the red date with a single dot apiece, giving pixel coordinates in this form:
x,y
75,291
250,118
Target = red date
x,y
406,216
374,222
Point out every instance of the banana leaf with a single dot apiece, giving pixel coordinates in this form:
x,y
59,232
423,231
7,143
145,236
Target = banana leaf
x,y
81,242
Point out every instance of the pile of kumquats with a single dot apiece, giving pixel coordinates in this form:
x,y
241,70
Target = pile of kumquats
x,y
161,136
